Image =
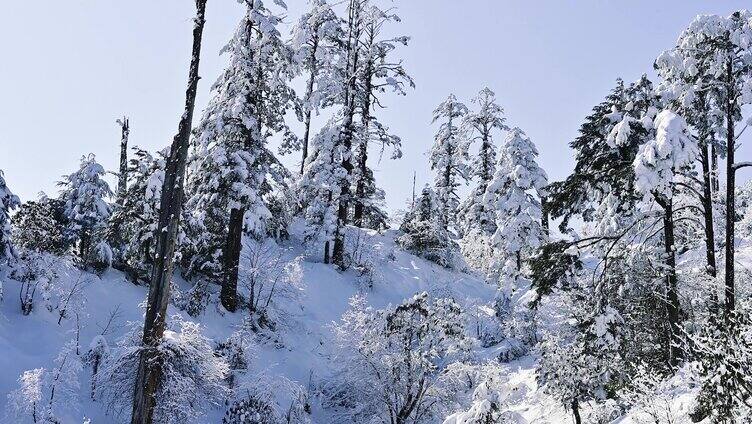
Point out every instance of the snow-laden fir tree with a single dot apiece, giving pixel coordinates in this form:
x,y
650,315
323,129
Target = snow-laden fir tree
x,y
136,219
317,40
476,224
393,365
378,72
8,202
449,156
424,233
719,50
38,226
230,160
84,194
514,194
321,190
480,126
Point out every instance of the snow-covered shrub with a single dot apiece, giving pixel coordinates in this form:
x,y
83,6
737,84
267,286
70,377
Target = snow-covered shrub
x,y
97,353
393,365
487,402
43,395
483,323
8,202
84,193
100,257
581,361
251,409
724,352
235,351
424,232
194,300
38,226
36,272
26,401
193,377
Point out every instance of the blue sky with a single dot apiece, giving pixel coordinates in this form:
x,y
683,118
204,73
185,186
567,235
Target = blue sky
x,y
70,68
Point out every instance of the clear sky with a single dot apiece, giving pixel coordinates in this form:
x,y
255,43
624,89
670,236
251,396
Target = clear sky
x,y
69,68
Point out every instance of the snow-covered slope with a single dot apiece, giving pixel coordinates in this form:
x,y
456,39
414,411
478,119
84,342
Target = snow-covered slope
x,y
297,354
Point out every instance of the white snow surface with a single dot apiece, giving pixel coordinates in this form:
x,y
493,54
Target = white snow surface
x,y
301,352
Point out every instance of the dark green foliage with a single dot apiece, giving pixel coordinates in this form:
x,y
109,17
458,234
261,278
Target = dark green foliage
x,y
552,267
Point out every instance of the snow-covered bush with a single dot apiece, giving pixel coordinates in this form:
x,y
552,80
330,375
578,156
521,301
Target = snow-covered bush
x,y
424,232
724,352
581,361
393,365
36,271
251,409
193,377
39,225
97,353
84,194
43,395
8,202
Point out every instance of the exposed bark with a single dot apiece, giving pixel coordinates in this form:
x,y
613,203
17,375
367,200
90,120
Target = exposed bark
x,y
149,372
730,198
233,242
362,153
545,217
346,136
576,411
123,176
672,294
231,259
309,92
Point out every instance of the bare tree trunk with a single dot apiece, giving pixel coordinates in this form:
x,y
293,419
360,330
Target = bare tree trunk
x,y
576,411
730,199
707,204
123,176
309,92
362,154
672,295
149,368
544,217
346,136
231,260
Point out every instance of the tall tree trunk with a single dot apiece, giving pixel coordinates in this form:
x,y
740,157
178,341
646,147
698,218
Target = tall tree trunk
x,y
149,372
544,216
309,92
576,411
707,205
730,199
231,259
123,176
672,294
362,153
346,136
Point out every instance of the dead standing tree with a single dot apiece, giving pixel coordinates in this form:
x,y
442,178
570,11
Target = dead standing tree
x,y
171,204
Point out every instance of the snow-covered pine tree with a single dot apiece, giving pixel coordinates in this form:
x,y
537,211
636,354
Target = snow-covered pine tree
x,y
320,190
476,224
684,86
84,194
356,11
125,130
149,374
514,194
479,126
137,218
720,51
378,73
39,225
8,202
317,41
230,159
448,156
424,233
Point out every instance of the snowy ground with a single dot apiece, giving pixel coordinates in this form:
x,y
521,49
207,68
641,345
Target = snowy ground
x,y
298,356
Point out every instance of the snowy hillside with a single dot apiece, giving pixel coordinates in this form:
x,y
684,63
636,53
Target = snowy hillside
x,y
293,358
